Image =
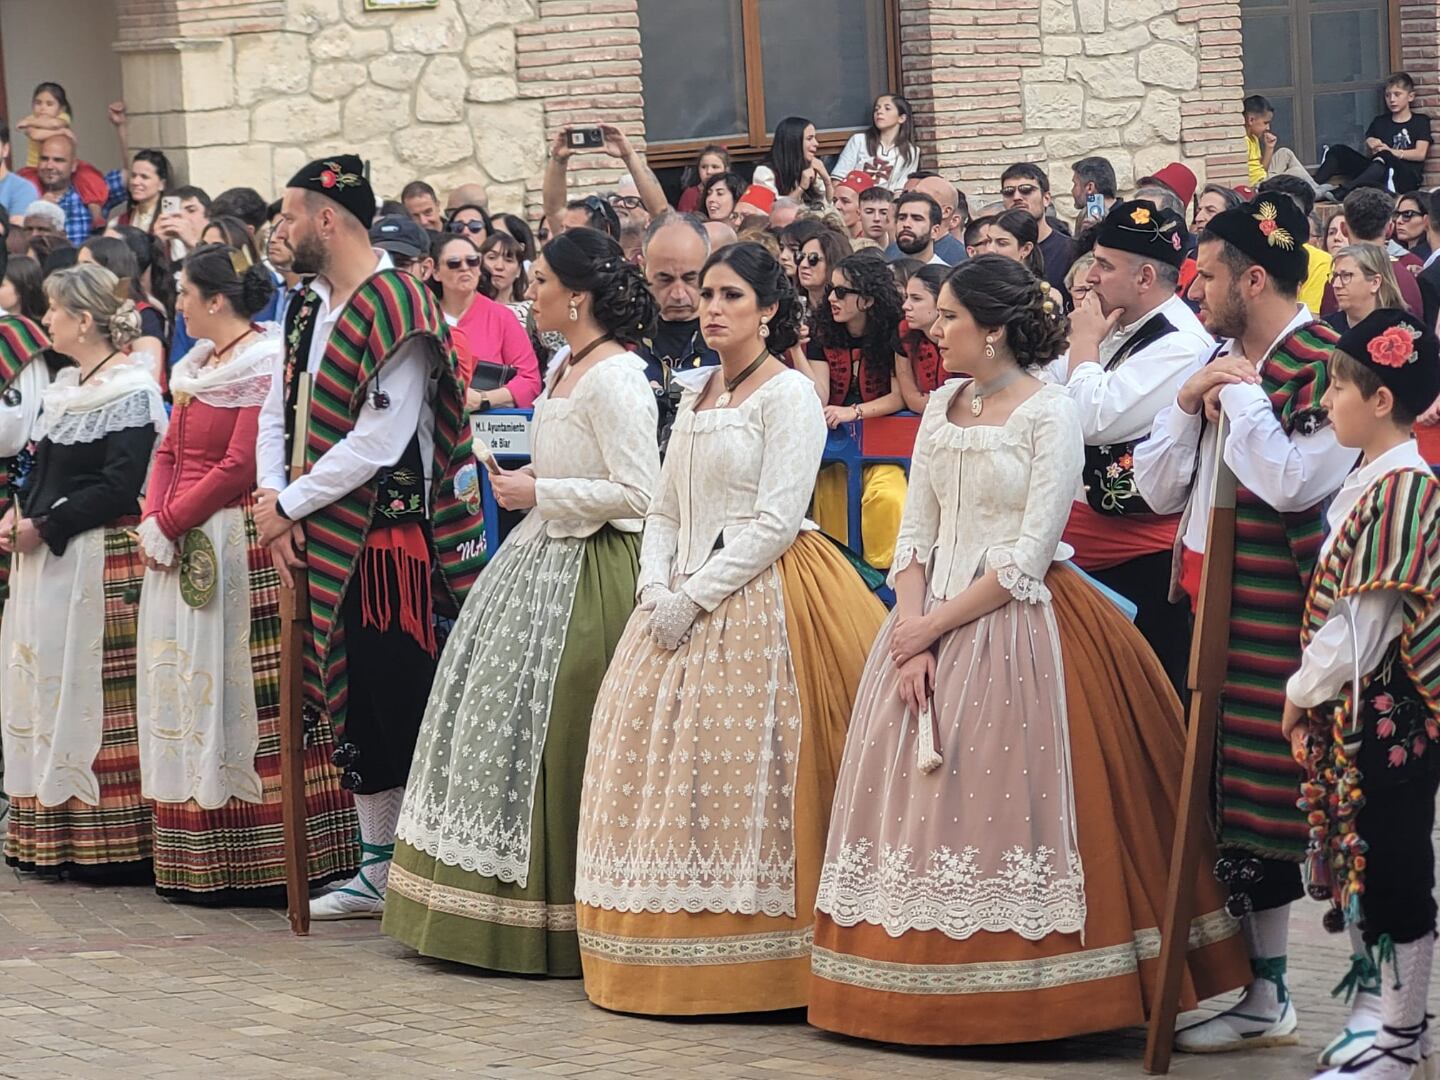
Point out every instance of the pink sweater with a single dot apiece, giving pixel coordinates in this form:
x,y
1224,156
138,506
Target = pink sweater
x,y
492,334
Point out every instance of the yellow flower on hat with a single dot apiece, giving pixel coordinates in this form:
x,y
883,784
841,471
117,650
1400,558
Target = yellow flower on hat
x,y
1140,215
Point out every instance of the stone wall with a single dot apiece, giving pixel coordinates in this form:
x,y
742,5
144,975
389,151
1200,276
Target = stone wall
x,y
472,89
1140,82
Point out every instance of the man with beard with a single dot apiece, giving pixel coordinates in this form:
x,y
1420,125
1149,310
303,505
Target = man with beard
x,y
389,489
919,222
1267,381
676,247
55,175
1133,342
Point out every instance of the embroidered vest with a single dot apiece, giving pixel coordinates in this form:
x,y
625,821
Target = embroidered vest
x,y
1109,473
843,363
925,360
386,311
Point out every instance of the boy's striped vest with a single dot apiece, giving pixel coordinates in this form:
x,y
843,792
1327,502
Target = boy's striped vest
x,y
21,341
388,310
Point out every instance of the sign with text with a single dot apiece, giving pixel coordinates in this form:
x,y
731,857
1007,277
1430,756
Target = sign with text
x,y
507,435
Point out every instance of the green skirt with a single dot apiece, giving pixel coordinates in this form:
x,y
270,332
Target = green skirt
x,y
473,915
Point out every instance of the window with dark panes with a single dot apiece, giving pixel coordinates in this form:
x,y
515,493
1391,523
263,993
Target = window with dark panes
x,y
1321,63
728,71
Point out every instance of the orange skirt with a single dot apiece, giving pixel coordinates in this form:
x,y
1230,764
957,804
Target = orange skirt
x,y
687,964
1127,752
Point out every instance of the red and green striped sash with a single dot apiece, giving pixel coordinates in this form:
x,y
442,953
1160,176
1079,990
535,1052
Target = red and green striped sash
x,y
387,311
21,341
1257,779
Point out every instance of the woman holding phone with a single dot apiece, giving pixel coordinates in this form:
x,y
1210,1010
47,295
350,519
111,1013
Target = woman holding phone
x,y
484,866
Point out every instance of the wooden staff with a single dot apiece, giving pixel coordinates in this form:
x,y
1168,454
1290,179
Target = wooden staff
x,y
294,617
1209,657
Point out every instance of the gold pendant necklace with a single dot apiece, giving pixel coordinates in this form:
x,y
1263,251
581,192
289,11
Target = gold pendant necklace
x,y
731,385
984,390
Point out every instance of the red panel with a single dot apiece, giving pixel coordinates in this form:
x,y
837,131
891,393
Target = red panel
x,y
889,436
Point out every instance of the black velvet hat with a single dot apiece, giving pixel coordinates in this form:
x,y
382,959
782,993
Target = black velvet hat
x,y
341,178
1142,228
1397,349
1271,231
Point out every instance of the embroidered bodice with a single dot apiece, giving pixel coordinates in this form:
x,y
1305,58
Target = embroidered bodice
x,y
993,496
594,452
734,488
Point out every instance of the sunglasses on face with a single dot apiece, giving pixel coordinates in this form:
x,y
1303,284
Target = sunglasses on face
x,y
1023,190
1406,215
841,292
467,226
813,259
471,261
625,202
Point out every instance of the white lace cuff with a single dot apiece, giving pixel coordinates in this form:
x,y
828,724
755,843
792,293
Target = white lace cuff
x,y
1021,586
154,543
905,554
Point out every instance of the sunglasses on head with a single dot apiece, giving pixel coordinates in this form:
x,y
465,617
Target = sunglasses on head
x,y
1023,190
813,259
467,226
457,261
841,292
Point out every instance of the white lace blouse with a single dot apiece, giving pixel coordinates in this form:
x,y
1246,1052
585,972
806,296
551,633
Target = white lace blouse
x,y
595,455
743,475
992,497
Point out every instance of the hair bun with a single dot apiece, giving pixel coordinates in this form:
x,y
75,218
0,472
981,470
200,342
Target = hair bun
x,y
124,325
256,291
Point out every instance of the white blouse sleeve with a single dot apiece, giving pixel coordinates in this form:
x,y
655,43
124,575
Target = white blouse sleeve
x,y
1328,662
622,415
1111,402
1165,463
17,421
794,433
661,539
1057,458
849,159
920,523
271,468
1289,472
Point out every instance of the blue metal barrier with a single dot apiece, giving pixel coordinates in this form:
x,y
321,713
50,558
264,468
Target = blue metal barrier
x,y
845,445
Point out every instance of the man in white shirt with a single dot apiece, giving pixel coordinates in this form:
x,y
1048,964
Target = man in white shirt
x,y
1133,342
1267,382
369,516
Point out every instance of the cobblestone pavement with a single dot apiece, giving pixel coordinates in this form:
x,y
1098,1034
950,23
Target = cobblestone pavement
x,y
117,983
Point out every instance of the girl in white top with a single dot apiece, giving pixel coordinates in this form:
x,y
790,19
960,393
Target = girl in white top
x,y
484,867
886,151
719,725
1004,809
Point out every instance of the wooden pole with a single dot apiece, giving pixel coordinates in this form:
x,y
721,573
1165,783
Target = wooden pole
x,y
1209,652
294,617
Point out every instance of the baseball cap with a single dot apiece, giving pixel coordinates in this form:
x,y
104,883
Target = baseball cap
x,y
400,236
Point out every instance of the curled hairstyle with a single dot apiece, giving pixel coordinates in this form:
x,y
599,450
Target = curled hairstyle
x,y
211,270
872,279
1026,230
762,271
588,261
90,289
999,292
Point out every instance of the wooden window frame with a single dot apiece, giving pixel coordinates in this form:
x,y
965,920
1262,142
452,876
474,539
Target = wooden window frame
x,y
1300,42
755,143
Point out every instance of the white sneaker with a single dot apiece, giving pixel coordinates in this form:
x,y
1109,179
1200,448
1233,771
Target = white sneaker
x,y
345,904
1239,1031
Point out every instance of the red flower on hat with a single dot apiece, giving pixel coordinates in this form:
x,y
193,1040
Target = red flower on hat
x,y
333,176
1395,347
327,179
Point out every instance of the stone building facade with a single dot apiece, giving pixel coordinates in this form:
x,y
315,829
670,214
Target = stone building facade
x,y
244,91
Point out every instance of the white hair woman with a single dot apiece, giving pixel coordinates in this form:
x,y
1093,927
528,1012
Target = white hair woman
x,y
67,693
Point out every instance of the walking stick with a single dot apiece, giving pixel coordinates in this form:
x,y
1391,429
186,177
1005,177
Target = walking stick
x,y
294,616
1208,659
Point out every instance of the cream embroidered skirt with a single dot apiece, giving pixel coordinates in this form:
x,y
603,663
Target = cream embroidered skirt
x,y
707,790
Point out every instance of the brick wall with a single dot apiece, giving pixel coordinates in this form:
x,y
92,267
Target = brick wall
x,y
1420,56
582,61
1210,117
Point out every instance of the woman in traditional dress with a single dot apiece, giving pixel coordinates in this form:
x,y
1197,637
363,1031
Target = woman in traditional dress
x,y
209,678
67,691
484,872
719,726
998,854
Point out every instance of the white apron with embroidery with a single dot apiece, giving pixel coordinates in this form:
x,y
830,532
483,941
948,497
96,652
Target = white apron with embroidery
x,y
52,700
199,724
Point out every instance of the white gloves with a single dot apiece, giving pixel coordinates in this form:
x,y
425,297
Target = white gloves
x,y
672,614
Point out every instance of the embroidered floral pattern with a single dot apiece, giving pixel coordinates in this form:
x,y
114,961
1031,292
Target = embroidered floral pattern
x,y
333,176
1395,347
1269,221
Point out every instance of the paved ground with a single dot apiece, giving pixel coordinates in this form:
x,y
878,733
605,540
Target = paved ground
x,y
119,984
